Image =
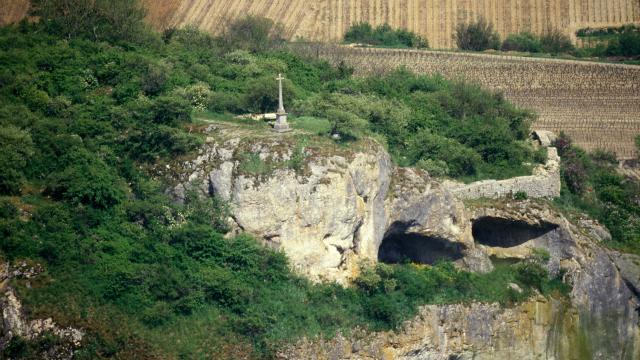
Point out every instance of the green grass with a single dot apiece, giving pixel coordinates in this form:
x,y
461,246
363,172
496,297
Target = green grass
x,y
313,125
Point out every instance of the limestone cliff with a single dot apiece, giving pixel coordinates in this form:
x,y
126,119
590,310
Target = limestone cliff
x,y
334,210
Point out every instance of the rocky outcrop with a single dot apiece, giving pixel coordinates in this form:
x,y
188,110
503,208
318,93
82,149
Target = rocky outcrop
x,y
598,321
476,331
330,213
15,323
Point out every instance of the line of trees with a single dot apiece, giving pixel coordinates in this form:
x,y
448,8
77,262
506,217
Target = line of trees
x,y
384,35
480,35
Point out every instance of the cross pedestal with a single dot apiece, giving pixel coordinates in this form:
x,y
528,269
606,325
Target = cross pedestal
x,y
281,124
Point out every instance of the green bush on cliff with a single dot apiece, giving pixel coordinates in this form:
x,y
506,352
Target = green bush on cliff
x,y
592,184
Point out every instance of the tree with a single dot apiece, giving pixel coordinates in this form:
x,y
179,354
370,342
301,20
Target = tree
x,y
384,35
262,94
15,149
111,20
555,42
252,33
87,180
526,42
348,125
478,36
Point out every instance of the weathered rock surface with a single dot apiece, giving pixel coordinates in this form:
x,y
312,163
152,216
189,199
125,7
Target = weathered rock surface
x,y
336,211
15,323
629,267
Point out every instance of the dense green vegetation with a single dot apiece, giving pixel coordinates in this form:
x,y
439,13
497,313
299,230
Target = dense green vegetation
x,y
622,41
608,42
552,42
384,35
592,185
452,128
83,116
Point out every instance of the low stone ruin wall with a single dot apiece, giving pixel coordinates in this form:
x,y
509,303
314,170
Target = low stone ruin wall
x,y
544,183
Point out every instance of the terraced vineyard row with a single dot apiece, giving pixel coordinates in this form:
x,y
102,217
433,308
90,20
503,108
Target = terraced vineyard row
x,y
597,104
327,20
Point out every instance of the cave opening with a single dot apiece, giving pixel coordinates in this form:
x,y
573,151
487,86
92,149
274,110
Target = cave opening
x,y
398,247
505,233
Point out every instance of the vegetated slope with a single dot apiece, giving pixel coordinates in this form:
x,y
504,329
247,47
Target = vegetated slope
x,y
327,20
597,104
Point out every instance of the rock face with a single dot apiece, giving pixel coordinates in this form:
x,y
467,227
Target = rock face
x,y
15,324
331,211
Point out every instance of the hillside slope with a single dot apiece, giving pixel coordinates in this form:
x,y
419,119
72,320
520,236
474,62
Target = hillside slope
x,y
327,20
597,104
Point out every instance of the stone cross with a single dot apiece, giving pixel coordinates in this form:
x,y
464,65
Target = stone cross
x,y
281,124
280,102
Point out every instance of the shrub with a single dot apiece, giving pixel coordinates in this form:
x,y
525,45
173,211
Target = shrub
x,y
436,168
626,42
155,79
460,159
524,42
606,156
574,172
359,33
477,36
16,147
262,94
171,110
532,274
112,20
384,35
520,195
629,43
7,209
158,314
555,42
153,143
252,33
86,180
198,95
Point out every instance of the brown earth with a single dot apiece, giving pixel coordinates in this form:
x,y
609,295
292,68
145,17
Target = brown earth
x,y
327,20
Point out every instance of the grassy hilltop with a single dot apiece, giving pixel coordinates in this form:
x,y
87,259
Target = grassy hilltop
x,y
89,103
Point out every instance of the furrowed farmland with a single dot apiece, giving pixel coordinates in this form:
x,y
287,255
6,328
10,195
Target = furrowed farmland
x,y
436,20
597,104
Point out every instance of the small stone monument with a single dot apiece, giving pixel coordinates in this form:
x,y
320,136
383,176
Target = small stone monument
x,y
281,124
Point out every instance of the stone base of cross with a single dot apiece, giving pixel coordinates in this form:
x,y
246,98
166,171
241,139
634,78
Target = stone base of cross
x,y
281,124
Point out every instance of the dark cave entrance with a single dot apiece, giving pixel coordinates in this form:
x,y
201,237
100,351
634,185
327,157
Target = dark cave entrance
x,y
504,233
399,246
